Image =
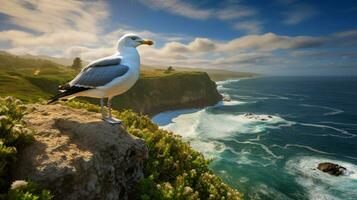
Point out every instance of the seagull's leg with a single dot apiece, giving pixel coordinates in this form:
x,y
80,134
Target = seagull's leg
x,y
109,105
102,108
110,118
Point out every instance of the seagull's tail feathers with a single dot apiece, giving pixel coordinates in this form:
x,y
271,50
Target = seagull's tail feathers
x,y
67,93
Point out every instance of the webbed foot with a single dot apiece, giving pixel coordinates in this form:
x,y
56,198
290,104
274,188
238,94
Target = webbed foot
x,y
112,120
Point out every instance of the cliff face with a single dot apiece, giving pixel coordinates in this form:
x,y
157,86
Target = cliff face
x,y
174,91
78,156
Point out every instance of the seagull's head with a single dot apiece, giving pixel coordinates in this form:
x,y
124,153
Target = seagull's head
x,y
132,40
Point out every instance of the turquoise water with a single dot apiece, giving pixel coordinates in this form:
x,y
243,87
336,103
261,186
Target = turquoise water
x,y
293,123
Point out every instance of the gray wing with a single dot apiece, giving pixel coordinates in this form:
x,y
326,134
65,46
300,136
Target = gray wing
x,y
107,61
100,72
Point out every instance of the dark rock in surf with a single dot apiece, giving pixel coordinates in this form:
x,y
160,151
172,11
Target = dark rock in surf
x,y
331,168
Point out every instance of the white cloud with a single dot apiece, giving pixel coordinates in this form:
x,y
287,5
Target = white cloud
x,y
324,54
251,27
231,11
235,12
52,16
179,8
271,41
185,9
50,27
88,54
59,39
244,51
298,13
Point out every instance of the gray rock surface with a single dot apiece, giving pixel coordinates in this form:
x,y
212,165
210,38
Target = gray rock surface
x,y
78,156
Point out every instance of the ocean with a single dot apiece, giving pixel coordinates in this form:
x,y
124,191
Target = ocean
x,y
269,138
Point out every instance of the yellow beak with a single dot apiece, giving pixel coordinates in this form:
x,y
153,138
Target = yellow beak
x,y
148,42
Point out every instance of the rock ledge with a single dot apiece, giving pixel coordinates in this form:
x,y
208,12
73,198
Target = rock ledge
x,y
78,156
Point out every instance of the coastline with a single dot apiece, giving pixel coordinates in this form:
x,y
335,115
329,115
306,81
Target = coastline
x,y
250,132
176,112
165,118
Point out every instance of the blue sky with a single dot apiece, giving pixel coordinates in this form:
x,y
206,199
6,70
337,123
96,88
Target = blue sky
x,y
276,37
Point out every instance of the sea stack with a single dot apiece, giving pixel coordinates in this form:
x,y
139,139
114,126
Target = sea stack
x,y
331,168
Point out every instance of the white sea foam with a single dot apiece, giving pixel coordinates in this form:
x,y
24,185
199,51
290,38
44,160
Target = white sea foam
x,y
333,111
184,124
297,95
255,139
321,185
228,81
166,118
270,96
211,149
244,157
337,123
223,88
195,124
243,96
230,103
203,128
345,134
264,147
263,191
304,147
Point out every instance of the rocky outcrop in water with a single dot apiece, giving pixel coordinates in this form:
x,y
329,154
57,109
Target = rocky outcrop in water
x,y
258,117
331,168
78,156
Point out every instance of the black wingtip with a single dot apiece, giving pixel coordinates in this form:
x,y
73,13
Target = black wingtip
x,y
51,101
69,91
55,98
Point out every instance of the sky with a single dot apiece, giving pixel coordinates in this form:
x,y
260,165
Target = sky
x,y
273,37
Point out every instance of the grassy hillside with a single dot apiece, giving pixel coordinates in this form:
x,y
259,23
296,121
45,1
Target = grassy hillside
x,y
214,74
156,90
30,79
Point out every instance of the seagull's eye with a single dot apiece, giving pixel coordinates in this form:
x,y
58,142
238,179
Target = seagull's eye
x,y
134,38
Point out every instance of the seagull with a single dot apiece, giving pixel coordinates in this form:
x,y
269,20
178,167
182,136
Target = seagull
x,y
107,77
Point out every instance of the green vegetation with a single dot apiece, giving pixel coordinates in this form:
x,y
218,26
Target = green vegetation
x,y
22,190
14,135
31,79
173,170
214,74
77,64
169,70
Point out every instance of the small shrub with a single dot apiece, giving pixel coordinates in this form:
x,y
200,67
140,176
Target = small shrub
x,y
169,70
27,191
14,135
